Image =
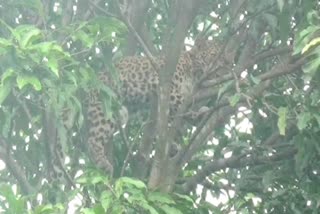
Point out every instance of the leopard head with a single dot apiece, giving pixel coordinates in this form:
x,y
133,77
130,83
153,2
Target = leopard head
x,y
204,53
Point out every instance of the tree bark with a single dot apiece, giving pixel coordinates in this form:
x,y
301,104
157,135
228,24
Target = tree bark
x,y
184,11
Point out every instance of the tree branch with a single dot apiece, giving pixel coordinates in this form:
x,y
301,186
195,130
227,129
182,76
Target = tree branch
x,y
276,71
136,15
136,35
15,169
206,128
245,65
145,147
234,162
185,11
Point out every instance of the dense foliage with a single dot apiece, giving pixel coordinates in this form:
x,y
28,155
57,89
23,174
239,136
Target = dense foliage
x,y
255,150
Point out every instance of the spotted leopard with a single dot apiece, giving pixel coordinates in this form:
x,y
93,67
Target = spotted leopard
x,y
139,81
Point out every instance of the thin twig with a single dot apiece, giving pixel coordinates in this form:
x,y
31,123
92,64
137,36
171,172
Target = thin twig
x,y
13,166
236,162
129,153
103,10
138,37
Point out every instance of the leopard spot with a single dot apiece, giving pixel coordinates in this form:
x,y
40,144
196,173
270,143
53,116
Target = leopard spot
x,y
93,117
154,85
111,125
103,121
145,66
92,132
95,123
134,85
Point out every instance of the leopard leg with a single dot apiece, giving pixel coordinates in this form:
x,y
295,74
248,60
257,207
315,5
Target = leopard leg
x,y
57,148
56,171
100,132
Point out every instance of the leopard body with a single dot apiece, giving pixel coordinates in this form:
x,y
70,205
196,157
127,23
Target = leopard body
x,y
139,80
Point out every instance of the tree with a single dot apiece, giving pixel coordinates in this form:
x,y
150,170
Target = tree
x,y
253,147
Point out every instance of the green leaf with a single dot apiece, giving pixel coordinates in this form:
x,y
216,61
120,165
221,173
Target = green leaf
x,y
317,117
108,91
224,88
98,209
23,80
15,203
159,197
49,209
303,120
117,208
92,177
185,197
85,38
234,99
26,35
304,38
282,120
315,98
278,193
313,42
5,45
311,67
125,181
313,17
87,211
82,180
78,106
30,36
151,209
53,65
106,199
47,47
170,210
7,74
254,79
97,179
5,90
135,182
85,76
5,42
52,52
107,108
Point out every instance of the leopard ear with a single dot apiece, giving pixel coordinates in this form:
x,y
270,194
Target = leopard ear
x,y
200,42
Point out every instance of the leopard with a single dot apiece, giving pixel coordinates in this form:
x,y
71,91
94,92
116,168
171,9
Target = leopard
x,y
139,81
